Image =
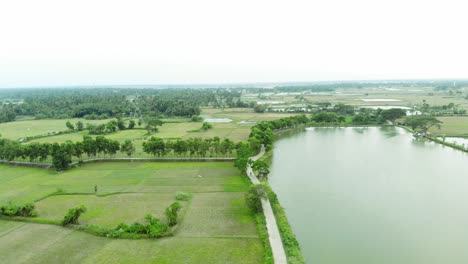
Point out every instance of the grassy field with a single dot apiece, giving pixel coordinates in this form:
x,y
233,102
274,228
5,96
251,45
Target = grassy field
x,y
36,243
452,126
242,114
177,128
217,226
27,128
233,131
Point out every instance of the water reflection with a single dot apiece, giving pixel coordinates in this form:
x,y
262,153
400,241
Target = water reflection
x,y
373,195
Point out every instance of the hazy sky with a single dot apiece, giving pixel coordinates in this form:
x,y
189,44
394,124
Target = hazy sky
x,y
59,42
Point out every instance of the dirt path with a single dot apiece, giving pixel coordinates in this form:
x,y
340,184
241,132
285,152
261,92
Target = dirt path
x,y
273,231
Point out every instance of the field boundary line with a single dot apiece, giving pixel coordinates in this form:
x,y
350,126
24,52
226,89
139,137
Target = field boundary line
x,y
77,163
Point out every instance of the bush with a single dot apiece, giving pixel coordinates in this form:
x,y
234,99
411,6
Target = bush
x,y
196,118
206,126
172,212
183,196
73,214
155,228
253,198
11,210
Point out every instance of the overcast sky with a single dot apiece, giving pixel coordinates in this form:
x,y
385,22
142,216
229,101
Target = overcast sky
x,y
59,42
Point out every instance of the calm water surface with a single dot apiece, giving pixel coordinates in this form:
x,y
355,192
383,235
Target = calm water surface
x,y
373,195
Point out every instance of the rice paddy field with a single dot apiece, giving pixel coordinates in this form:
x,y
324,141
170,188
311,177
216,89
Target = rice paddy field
x,y
216,227
452,126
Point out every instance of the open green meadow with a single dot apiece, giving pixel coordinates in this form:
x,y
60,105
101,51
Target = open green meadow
x,y
216,226
242,114
27,128
169,131
452,126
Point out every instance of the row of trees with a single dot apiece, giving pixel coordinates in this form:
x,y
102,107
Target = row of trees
x,y
109,127
262,134
61,154
189,147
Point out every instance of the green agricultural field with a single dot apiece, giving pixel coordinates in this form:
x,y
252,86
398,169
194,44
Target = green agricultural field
x,y
27,128
217,227
242,114
132,134
452,126
233,131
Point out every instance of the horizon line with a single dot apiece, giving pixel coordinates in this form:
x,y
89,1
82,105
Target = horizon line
x,y
221,84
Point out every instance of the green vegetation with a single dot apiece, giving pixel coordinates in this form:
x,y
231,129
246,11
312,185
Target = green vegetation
x,y
253,198
291,246
206,126
71,218
150,122
62,154
103,103
452,126
11,210
172,213
183,196
421,124
214,217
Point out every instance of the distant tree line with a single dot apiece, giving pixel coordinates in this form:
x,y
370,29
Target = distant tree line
x,y
113,102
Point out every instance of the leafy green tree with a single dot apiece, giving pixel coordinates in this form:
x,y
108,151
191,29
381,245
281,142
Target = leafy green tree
x,y
131,124
326,117
61,159
244,152
128,147
112,146
393,114
89,146
78,149
260,108
79,126
422,123
206,126
101,144
154,146
121,124
254,196
152,124
70,125
261,167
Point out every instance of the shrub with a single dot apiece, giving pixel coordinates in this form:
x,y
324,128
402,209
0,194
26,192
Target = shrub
x,y
73,214
206,126
291,245
253,198
183,196
196,118
172,212
11,210
156,227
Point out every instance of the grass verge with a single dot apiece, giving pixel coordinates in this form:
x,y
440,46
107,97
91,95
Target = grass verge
x,y
290,243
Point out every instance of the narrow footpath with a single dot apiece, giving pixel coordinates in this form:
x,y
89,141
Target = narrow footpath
x,y
273,231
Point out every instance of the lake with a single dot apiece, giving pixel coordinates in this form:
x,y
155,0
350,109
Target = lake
x,y
373,195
